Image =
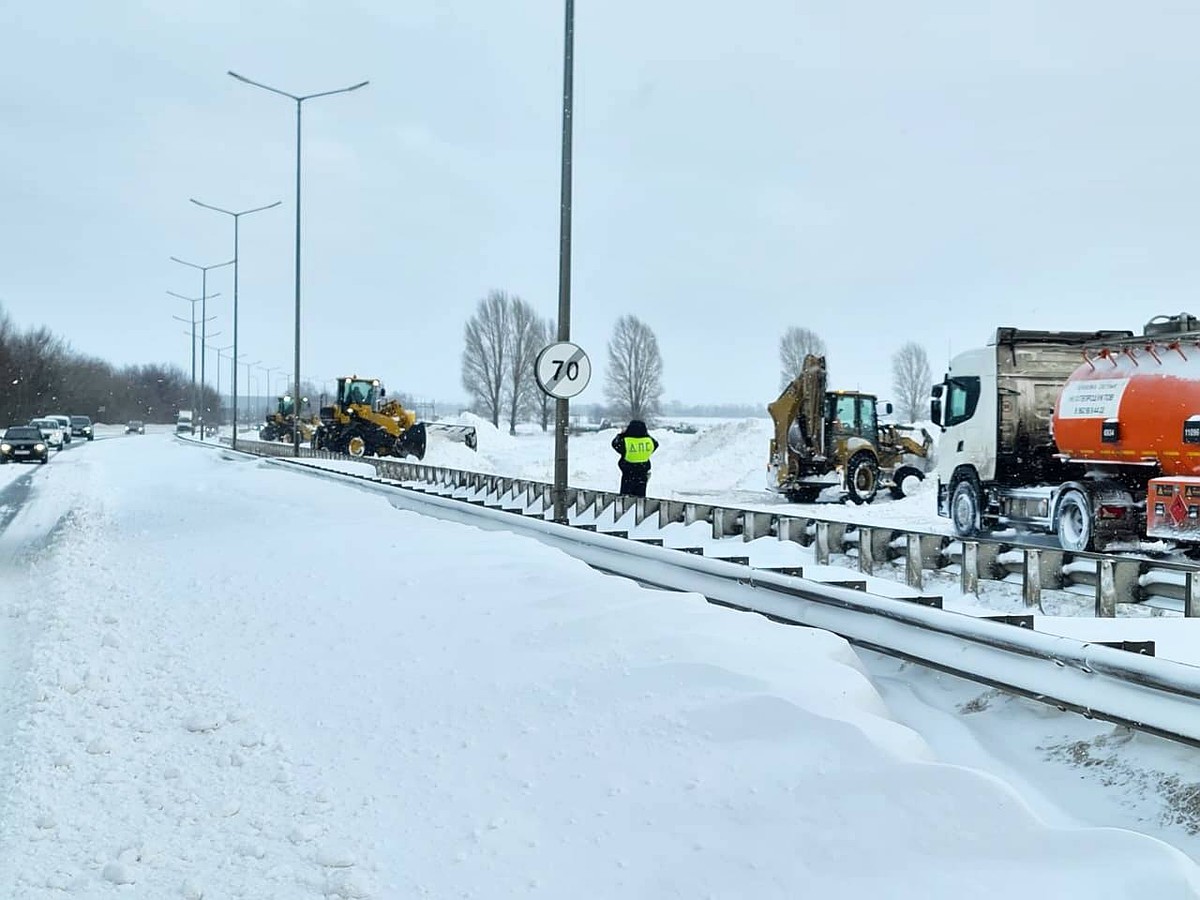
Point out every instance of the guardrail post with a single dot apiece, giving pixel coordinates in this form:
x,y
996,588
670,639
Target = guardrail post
x,y
696,512
1106,589
866,550
1031,581
1117,582
756,525
1191,595
646,507
968,570
725,522
670,511
794,529
914,560
822,544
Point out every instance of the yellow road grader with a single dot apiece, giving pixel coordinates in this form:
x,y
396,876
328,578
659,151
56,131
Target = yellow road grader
x,y
281,424
362,421
825,438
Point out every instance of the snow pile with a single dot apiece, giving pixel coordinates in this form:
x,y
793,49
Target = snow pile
x,y
242,682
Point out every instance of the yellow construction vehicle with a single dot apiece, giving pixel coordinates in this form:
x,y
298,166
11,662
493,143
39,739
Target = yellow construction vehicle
x,y
825,438
281,424
363,422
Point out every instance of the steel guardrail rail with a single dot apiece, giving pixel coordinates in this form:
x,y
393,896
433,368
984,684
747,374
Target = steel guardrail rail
x,y
1152,695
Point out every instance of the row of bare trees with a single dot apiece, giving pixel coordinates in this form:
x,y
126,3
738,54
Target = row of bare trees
x,y
502,340
41,375
911,374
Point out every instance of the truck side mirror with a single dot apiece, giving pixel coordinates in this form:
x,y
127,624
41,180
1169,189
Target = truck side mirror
x,y
935,405
887,409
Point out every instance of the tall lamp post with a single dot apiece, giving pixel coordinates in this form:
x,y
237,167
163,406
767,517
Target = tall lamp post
x,y
299,102
249,366
193,301
236,217
203,336
562,411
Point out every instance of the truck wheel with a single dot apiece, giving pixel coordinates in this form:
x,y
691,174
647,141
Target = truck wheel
x,y
862,477
964,509
1074,522
356,446
902,473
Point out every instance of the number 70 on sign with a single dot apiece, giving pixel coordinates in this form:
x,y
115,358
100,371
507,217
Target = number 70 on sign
x,y
563,370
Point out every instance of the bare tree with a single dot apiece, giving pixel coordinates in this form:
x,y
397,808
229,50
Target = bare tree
x,y
911,381
546,335
524,342
485,354
796,344
634,386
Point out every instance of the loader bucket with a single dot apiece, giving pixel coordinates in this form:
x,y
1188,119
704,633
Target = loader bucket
x,y
460,434
412,442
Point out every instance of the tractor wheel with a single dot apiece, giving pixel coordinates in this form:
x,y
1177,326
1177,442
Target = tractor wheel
x,y
902,474
862,477
356,446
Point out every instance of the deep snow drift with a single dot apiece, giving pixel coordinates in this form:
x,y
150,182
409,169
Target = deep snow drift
x,y
234,681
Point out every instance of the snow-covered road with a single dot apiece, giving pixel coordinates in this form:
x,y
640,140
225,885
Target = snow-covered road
x,y
226,680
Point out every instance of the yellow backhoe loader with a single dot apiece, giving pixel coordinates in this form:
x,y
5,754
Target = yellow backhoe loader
x,y
825,438
363,422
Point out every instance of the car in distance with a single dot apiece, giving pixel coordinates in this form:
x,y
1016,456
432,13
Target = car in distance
x,y
24,443
135,427
52,431
81,426
65,422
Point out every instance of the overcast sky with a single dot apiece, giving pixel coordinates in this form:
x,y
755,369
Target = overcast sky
x,y
878,172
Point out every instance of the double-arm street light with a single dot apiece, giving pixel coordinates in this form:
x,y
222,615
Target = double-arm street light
x,y
220,351
299,102
236,217
249,378
203,336
193,301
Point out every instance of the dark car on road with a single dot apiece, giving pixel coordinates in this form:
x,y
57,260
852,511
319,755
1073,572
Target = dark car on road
x,y
135,427
24,443
81,426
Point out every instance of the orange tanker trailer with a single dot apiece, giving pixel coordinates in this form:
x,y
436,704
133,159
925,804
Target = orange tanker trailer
x,y
1094,436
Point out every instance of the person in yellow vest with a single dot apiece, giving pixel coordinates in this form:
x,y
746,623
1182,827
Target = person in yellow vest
x,y
636,447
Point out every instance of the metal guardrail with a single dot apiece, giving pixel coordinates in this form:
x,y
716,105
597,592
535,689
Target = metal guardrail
x,y
1097,680
1110,579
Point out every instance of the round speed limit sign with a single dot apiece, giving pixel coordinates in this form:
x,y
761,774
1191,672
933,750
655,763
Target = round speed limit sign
x,y
563,370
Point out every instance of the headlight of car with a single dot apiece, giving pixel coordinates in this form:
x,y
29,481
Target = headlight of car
x,y
5,448
39,447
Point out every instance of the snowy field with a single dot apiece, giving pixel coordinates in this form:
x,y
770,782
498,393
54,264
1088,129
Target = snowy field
x,y
220,679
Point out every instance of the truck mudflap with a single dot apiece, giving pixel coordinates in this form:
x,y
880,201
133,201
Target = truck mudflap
x,y
1173,508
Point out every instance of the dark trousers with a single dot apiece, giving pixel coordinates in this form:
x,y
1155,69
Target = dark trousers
x,y
633,478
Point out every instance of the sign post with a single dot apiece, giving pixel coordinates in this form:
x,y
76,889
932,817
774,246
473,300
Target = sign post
x,y
562,370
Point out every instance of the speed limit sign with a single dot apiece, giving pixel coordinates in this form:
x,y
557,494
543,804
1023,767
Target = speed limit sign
x,y
563,370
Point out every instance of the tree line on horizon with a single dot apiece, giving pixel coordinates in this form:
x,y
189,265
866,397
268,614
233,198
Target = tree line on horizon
x,y
40,374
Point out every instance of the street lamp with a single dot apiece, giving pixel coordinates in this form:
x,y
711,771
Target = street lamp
x,y
299,102
193,301
220,351
203,336
562,413
248,366
236,217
